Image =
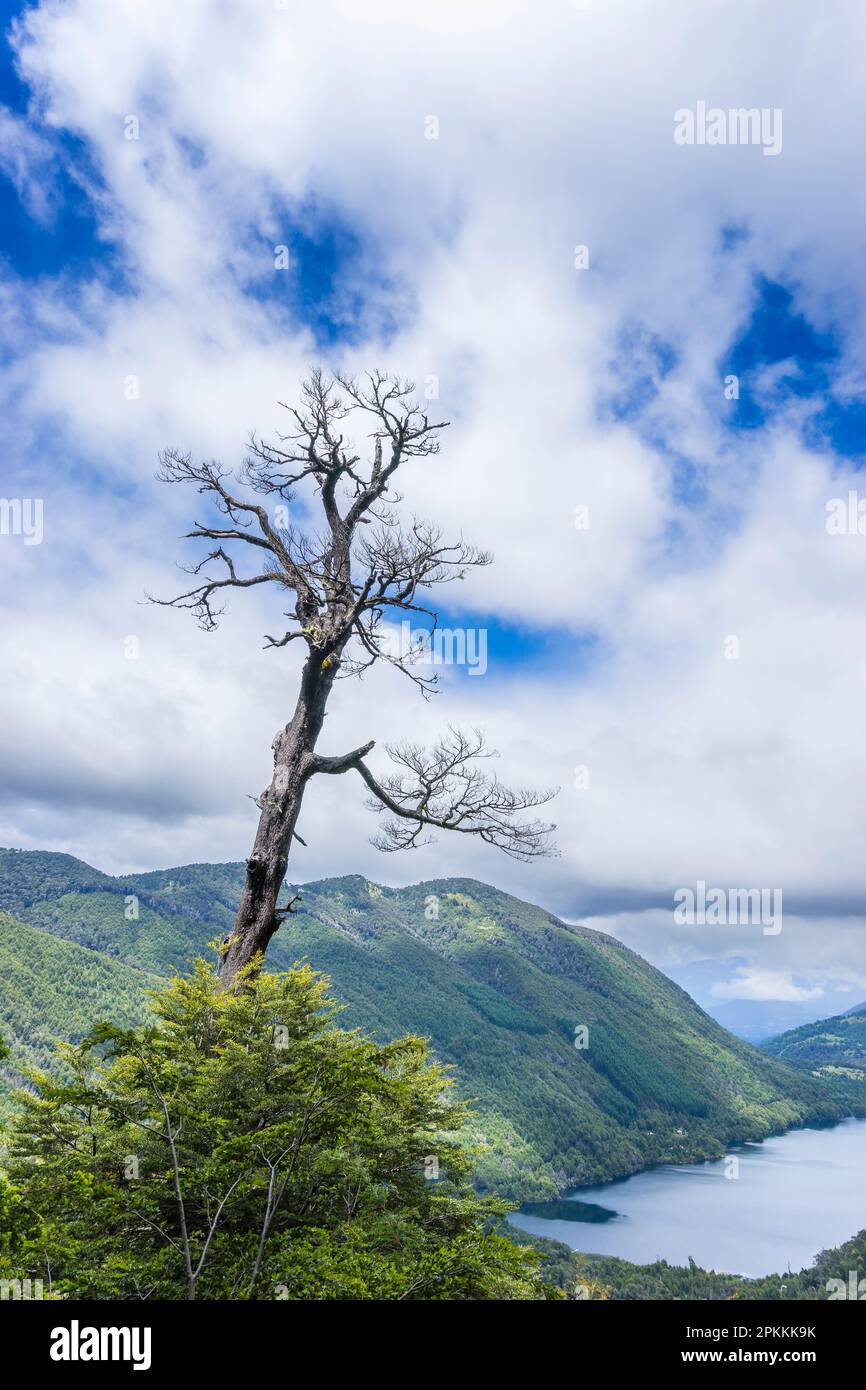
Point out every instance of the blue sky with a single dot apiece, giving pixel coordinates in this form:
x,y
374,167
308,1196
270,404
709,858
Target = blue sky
x,y
452,260
70,241
777,333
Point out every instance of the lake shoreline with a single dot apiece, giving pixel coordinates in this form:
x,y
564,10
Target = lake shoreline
x,y
790,1195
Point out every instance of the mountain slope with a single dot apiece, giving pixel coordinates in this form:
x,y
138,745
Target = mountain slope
x,y
53,988
832,1048
501,988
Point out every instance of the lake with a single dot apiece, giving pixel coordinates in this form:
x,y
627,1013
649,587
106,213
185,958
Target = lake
x,y
794,1195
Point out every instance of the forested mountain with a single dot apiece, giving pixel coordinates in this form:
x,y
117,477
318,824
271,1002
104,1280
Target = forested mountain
x,y
52,988
500,987
833,1048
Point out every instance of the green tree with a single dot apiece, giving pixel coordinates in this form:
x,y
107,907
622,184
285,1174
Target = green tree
x,y
243,1146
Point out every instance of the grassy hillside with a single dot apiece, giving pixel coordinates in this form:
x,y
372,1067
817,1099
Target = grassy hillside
x,y
499,985
833,1048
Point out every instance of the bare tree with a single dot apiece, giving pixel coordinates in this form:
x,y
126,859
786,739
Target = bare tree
x,y
362,565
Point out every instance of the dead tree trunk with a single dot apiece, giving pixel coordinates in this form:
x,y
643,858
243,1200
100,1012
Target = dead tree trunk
x,y
280,803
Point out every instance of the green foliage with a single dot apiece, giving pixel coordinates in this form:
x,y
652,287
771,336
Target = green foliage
x,y
199,1092
833,1048
499,987
578,1275
29,876
242,1146
500,1011
52,988
638,1076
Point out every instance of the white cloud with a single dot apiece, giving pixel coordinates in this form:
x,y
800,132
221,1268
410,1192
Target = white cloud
x,y
26,159
763,984
555,128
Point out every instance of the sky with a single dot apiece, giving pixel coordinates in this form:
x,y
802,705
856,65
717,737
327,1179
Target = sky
x,y
650,353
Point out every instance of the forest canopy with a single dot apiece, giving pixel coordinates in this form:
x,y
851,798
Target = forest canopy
x,y
244,1146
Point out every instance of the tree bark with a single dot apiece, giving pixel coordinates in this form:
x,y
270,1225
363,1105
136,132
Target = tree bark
x,y
257,918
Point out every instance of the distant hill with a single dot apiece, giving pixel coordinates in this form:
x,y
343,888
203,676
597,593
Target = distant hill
x,y
752,1019
757,1019
833,1048
500,986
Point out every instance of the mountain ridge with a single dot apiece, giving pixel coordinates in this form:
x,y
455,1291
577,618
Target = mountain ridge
x,y
833,1048
500,985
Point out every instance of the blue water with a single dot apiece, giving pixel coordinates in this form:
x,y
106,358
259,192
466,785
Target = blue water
x,y
794,1195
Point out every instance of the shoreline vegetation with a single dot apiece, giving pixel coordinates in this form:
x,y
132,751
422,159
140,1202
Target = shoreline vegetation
x,y
601,1277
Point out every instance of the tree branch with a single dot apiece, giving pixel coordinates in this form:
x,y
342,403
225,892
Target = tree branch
x,y
444,789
